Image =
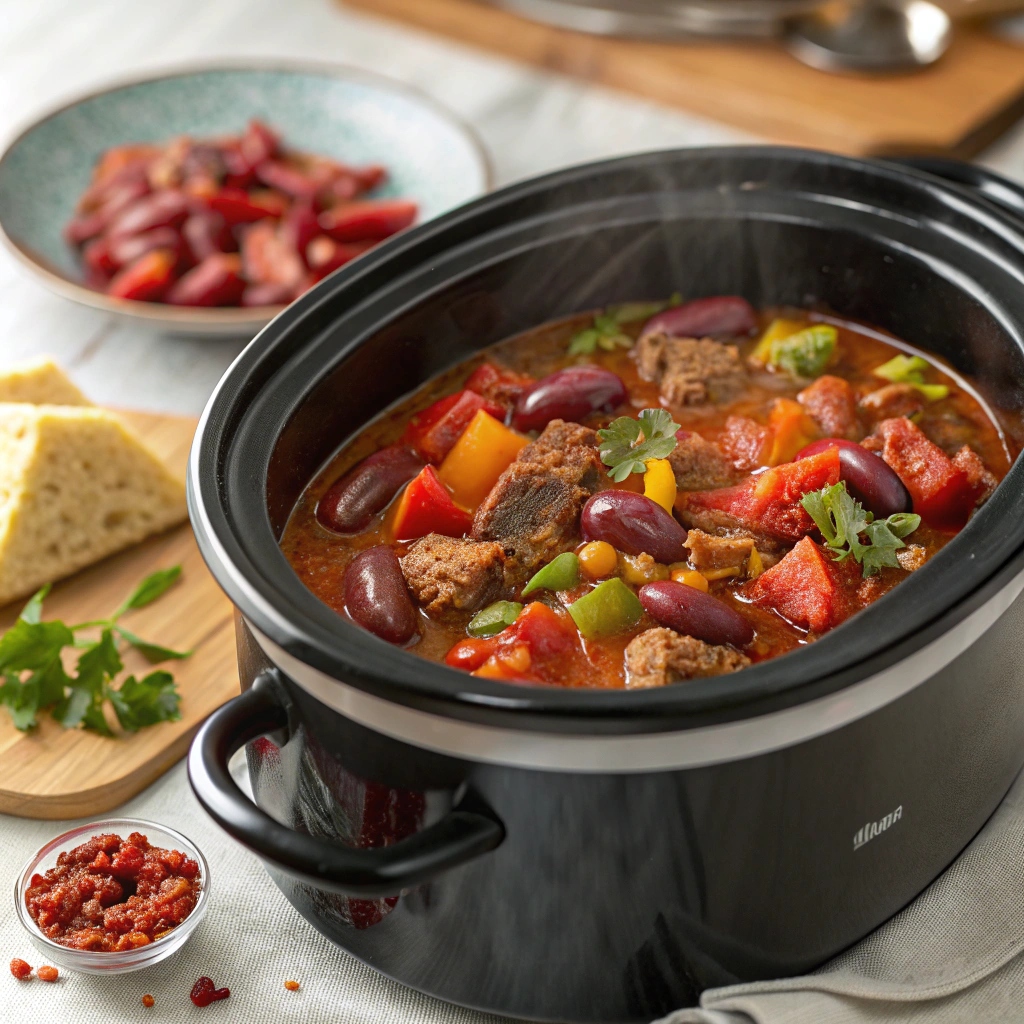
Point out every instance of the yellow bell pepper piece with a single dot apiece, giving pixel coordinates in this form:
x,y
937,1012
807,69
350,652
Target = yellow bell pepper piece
x,y
777,330
641,569
755,564
482,453
792,429
720,574
660,483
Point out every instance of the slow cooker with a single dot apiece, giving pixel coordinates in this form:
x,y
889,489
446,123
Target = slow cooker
x,y
580,855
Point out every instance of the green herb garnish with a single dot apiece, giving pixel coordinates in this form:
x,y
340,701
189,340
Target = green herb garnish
x,y
494,618
561,573
627,443
849,529
34,678
607,333
806,353
903,369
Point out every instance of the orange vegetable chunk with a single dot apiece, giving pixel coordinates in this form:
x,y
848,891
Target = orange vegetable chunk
x,y
482,453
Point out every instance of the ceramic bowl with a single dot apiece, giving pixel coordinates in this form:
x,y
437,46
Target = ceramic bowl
x,y
336,111
91,961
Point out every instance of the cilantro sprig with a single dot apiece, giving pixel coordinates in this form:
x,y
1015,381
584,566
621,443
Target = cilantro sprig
x,y
607,333
627,444
34,677
850,530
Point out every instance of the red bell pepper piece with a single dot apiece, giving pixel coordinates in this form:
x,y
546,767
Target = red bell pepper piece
x,y
147,279
497,384
746,442
370,219
770,501
239,207
434,431
427,507
942,491
268,258
217,281
808,587
538,647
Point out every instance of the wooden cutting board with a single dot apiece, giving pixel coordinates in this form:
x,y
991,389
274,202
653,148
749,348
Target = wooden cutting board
x,y
53,772
956,107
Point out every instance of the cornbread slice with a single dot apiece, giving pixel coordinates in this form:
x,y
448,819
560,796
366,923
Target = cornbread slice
x,y
39,381
76,485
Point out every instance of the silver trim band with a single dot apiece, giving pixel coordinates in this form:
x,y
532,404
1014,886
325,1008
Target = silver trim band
x,y
691,748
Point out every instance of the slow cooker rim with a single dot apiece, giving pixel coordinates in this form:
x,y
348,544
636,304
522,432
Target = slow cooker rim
x,y
617,709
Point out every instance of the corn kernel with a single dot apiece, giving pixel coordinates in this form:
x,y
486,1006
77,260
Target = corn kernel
x,y
641,569
680,572
598,559
755,565
720,574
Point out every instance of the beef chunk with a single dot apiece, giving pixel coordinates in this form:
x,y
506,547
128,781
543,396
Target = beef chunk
x,y
831,404
710,552
533,511
983,482
691,371
699,464
661,656
891,401
449,574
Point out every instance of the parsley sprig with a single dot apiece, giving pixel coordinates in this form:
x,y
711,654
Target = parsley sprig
x,y
627,444
607,333
34,678
850,530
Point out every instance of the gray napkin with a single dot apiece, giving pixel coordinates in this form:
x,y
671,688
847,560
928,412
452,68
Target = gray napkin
x,y
953,956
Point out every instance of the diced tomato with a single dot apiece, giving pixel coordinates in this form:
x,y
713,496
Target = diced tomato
x,y
770,501
147,279
427,507
372,218
808,587
535,648
434,431
942,491
747,442
497,384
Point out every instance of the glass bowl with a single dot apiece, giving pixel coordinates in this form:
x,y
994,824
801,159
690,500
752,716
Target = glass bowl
x,y
92,961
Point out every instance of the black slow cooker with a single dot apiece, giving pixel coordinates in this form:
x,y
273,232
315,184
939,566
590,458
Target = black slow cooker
x,y
605,856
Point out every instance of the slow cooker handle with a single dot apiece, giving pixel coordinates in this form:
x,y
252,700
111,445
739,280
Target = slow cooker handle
x,y
994,187
464,833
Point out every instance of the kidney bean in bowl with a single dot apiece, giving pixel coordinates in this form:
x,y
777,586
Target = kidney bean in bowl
x,y
171,855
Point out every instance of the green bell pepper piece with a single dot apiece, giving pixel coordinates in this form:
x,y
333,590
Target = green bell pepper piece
x,y
561,573
806,353
494,618
903,369
610,608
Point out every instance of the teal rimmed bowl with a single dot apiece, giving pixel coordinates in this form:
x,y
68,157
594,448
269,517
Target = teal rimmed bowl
x,y
341,112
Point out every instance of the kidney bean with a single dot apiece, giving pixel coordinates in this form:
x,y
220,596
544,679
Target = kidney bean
x,y
720,315
691,611
217,281
375,219
167,208
267,295
568,394
122,251
207,233
354,499
376,595
868,477
634,524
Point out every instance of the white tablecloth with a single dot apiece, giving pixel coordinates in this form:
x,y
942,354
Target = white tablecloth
x,y
532,122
